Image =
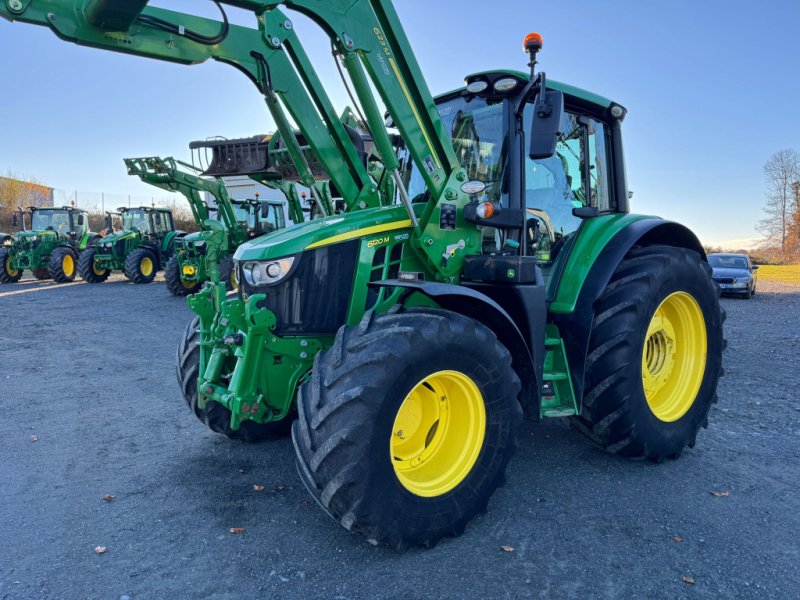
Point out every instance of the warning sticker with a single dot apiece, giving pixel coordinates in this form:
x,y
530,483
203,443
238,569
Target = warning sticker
x,y
447,217
430,166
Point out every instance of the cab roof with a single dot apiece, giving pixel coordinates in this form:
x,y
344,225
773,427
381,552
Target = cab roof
x,y
569,90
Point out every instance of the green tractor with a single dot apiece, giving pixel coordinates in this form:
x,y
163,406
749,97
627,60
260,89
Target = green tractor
x,y
141,249
404,339
50,248
236,221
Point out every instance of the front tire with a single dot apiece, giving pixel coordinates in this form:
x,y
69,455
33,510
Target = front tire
x,y
62,265
407,424
88,270
8,274
655,355
215,416
141,266
175,284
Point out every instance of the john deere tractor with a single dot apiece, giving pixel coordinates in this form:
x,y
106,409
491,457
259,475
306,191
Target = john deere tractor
x,y
141,249
408,335
236,222
50,248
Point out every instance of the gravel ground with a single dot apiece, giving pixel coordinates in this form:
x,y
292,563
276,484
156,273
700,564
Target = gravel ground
x,y
88,370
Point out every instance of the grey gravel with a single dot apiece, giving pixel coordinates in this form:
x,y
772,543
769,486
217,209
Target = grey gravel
x,y
89,370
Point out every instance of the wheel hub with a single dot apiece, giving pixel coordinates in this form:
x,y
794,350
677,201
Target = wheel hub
x,y
438,433
674,356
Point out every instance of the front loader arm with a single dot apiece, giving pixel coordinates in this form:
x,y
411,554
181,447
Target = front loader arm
x,y
258,53
367,34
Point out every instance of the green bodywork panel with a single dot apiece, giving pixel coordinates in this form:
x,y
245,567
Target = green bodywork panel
x,y
591,238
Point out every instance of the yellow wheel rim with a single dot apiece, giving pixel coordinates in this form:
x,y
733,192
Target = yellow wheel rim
x,y
97,270
9,268
68,265
234,280
438,433
146,266
674,356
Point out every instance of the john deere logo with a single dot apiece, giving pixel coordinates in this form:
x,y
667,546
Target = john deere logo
x,y
378,242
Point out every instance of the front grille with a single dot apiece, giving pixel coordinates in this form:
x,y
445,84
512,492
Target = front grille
x,y
313,299
724,279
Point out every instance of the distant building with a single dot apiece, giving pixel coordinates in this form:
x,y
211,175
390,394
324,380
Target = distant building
x,y
15,193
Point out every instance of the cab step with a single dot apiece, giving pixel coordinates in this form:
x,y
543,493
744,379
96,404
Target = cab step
x,y
558,396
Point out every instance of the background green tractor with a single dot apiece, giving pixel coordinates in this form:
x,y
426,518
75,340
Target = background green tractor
x,y
187,270
501,273
50,248
142,248
235,222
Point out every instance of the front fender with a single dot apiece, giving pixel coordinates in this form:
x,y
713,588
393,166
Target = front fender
x,y
525,341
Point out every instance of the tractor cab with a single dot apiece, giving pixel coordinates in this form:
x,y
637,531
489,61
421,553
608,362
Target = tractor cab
x,y
65,221
148,221
259,217
545,199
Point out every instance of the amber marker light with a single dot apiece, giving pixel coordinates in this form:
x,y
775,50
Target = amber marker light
x,y
486,210
533,42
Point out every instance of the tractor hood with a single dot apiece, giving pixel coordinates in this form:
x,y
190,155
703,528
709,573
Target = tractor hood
x,y
322,232
112,238
27,236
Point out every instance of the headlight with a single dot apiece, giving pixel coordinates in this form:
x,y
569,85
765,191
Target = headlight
x,y
199,244
267,272
742,280
504,85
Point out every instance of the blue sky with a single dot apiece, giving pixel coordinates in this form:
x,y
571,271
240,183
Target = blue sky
x,y
712,89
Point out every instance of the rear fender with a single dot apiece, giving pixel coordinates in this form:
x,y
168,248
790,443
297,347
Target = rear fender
x,y
575,325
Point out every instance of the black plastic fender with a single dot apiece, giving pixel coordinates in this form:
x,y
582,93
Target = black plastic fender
x,y
576,327
525,342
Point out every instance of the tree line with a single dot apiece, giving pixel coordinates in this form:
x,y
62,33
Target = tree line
x,y
781,226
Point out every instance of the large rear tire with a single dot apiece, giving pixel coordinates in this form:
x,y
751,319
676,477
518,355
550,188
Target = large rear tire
x,y
655,355
88,270
215,416
175,284
8,274
141,266
63,265
407,424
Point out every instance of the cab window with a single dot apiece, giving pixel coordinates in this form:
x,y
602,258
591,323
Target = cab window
x,y
576,175
162,222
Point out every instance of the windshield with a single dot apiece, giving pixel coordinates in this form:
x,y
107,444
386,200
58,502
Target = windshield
x,y
244,215
136,219
54,220
727,262
480,140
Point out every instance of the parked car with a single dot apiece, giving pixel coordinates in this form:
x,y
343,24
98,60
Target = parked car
x,y
734,273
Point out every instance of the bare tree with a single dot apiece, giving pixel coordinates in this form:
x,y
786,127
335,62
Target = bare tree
x,y
782,173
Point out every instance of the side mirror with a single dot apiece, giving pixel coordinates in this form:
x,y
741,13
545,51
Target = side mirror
x,y
109,223
14,219
754,268
265,211
546,124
